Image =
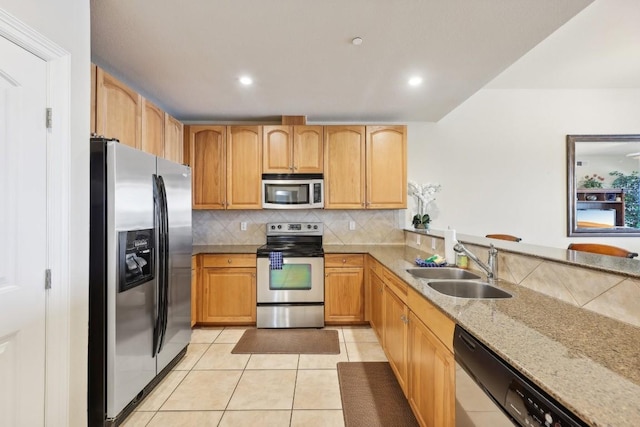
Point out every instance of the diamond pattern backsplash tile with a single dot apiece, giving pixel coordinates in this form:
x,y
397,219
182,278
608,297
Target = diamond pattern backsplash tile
x,y
372,226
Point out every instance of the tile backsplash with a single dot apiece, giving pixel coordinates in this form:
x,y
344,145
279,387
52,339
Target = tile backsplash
x,y
219,227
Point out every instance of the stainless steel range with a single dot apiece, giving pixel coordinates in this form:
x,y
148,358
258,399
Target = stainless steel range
x,y
290,278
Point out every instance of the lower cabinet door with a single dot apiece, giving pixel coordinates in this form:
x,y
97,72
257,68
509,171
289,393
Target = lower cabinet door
x,y
228,295
395,335
344,295
431,377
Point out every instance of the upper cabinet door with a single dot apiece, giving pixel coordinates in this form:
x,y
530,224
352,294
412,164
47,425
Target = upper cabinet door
x,y
173,139
308,149
344,167
118,110
386,167
277,149
152,129
244,167
207,146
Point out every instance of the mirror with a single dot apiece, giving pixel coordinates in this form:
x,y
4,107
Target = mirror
x,y
603,196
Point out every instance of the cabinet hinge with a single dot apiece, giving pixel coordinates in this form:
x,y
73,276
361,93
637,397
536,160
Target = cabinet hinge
x,y
47,278
49,118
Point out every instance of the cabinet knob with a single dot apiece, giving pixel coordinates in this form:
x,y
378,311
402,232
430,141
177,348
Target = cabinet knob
x,y
229,261
326,275
344,261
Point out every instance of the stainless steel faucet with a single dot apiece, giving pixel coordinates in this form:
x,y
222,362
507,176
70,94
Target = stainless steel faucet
x,y
491,267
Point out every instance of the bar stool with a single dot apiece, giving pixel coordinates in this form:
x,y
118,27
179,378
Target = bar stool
x,y
602,249
504,237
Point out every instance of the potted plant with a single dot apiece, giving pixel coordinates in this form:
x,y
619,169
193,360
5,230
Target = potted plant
x,y
424,194
593,181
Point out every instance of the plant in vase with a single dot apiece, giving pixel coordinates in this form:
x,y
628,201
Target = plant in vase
x,y
424,194
593,181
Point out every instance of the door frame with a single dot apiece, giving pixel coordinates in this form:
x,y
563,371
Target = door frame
x,y
58,308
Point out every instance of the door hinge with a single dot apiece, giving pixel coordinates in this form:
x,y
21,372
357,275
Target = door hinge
x,y
47,278
49,118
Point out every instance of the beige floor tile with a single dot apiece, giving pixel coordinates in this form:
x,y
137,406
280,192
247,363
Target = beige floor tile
x,y
230,335
138,419
317,389
273,361
203,335
186,419
323,361
365,352
255,419
162,391
271,389
203,390
194,352
317,418
219,356
469,395
359,334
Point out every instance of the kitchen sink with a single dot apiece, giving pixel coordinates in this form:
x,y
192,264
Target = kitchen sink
x,y
442,273
468,289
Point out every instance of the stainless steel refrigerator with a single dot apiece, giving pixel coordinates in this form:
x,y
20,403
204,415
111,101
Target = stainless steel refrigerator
x,y
140,275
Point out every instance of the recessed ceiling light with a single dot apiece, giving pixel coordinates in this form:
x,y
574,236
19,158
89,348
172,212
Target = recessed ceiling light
x,y
357,41
246,80
415,81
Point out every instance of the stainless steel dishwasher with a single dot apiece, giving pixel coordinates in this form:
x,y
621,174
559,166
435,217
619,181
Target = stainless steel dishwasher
x,y
513,399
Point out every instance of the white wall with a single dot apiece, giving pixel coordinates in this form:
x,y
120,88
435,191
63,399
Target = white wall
x,y
67,23
501,158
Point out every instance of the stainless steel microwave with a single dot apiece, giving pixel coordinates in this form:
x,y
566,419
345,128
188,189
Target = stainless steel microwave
x,y
292,191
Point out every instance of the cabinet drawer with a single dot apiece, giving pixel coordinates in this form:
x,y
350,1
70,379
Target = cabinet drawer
x,y
395,284
437,322
343,260
229,260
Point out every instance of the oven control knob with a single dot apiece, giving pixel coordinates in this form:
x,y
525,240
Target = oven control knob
x,y
315,227
308,225
273,227
279,226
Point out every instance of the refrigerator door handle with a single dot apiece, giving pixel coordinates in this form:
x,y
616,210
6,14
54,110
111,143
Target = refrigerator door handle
x,y
164,283
159,225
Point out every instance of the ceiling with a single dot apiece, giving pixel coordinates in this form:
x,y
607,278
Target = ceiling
x,y
187,56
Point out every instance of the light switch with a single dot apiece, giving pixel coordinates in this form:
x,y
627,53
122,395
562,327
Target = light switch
x,y
243,226
352,225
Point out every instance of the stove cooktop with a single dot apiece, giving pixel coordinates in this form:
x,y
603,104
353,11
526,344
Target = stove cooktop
x,y
291,250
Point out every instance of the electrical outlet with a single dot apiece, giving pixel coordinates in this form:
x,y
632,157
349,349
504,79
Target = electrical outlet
x,y
433,243
418,239
352,225
243,226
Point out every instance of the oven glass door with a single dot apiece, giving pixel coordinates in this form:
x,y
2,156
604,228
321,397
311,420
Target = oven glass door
x,y
290,277
301,279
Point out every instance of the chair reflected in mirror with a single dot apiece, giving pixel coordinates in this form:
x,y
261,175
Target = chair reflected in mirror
x,y
602,249
508,237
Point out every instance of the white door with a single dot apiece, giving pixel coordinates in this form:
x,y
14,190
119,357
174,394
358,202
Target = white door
x,y
23,245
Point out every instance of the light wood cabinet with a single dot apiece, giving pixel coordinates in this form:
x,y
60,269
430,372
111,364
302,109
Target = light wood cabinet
x,y
376,298
228,285
431,377
152,129
207,152
194,289
118,110
395,325
244,167
344,167
226,164
344,288
173,136
292,149
386,182
365,167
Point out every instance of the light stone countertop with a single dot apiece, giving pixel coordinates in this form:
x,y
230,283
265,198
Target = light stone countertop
x,y
588,362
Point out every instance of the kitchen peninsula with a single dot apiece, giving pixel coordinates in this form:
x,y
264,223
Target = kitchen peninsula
x,y
588,362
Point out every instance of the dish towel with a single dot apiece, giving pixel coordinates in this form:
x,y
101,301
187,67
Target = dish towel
x,y
275,260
